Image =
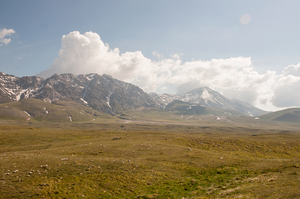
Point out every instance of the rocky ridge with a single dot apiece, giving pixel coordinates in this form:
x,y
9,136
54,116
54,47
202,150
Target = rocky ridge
x,y
100,92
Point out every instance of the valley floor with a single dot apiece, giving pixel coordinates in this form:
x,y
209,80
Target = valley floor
x,y
147,160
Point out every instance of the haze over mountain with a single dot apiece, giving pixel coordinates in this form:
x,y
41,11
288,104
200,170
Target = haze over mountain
x,y
207,97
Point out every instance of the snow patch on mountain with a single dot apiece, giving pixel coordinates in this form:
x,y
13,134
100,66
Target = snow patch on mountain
x,y
206,96
85,102
90,76
27,114
108,99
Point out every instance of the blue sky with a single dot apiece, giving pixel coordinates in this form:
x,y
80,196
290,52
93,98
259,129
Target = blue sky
x,y
159,29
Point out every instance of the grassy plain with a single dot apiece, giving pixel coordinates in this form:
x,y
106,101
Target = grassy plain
x,y
134,159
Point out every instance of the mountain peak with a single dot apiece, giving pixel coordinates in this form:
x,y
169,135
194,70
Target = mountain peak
x,y
106,75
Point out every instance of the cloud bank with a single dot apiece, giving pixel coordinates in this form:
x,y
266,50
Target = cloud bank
x,y
233,77
5,33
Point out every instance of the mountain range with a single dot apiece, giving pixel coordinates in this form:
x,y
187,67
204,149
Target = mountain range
x,y
100,92
106,94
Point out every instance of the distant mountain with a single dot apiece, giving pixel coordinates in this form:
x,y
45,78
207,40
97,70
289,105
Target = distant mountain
x,y
287,115
101,92
207,97
187,108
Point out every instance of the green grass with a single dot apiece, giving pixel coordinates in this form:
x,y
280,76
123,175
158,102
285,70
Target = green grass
x,y
150,160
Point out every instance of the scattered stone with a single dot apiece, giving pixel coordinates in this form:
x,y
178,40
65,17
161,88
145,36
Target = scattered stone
x,y
64,159
15,171
190,149
221,158
44,184
117,138
271,180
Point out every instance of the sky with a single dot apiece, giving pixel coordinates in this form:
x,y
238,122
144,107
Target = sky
x,y
247,50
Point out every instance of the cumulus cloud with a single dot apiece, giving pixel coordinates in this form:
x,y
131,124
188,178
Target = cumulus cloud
x,y
292,70
5,33
234,77
287,95
86,53
286,91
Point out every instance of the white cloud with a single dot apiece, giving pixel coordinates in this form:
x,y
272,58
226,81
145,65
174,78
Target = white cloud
x,y
287,95
176,56
156,54
4,33
234,77
292,70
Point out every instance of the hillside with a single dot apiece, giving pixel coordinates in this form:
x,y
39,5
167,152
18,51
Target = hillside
x,y
58,111
185,108
287,115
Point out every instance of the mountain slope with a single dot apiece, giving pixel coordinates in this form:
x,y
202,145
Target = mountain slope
x,y
287,115
59,111
246,108
186,108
